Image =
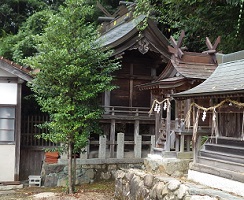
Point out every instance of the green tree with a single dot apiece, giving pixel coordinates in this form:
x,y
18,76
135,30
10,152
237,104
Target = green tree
x,y
74,71
14,12
200,19
17,47
20,21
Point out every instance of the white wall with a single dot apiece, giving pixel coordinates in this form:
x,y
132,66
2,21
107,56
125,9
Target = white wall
x,y
8,93
7,162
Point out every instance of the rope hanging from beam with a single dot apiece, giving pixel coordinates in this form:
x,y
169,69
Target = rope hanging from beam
x,y
188,115
156,104
214,119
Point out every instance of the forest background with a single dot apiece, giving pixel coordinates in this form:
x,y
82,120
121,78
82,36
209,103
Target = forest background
x,y
21,20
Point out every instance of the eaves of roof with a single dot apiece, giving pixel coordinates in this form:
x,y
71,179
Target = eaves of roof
x,y
227,79
15,69
163,84
194,65
117,35
125,35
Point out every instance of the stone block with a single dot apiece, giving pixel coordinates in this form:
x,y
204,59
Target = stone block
x,y
181,192
148,180
90,173
173,185
105,175
51,180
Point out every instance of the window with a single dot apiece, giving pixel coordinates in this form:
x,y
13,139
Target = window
x,y
7,124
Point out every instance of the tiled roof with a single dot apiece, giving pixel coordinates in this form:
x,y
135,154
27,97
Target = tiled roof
x,y
15,69
228,78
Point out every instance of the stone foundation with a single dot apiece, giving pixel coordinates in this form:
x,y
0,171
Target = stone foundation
x,y
135,184
170,166
86,172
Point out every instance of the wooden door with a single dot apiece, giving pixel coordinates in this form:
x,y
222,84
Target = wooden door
x,y
229,125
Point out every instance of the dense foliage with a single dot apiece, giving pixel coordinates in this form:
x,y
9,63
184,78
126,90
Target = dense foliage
x,y
200,19
20,21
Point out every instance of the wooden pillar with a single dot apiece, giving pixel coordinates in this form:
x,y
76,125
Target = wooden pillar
x,y
107,101
168,122
131,86
157,125
112,138
18,131
187,106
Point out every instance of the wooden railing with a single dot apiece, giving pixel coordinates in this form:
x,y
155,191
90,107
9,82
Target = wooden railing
x,y
122,110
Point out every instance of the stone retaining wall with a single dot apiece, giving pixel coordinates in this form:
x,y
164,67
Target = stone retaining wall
x,y
57,174
135,184
171,166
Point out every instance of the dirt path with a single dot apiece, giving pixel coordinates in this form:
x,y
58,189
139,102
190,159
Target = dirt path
x,y
95,191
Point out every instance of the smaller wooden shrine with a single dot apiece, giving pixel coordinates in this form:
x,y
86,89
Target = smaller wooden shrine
x,y
222,155
184,70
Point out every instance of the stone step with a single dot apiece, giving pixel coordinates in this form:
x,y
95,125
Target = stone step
x,y
222,156
227,141
221,164
235,150
215,170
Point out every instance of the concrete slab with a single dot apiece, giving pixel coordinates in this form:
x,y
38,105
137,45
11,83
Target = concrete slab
x,y
217,182
10,187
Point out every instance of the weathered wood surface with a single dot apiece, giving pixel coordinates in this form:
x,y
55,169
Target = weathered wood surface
x,y
31,160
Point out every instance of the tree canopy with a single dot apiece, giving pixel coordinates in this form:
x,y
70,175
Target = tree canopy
x,y
199,19
74,71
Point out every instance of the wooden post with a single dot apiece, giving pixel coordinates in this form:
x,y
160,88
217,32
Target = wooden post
x,y
188,143
107,101
177,127
112,138
131,85
18,131
157,117
168,121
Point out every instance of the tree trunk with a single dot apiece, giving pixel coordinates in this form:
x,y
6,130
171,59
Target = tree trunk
x,y
74,172
70,184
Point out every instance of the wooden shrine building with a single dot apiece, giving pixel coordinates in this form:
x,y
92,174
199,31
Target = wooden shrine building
x,y
143,55
184,70
221,157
